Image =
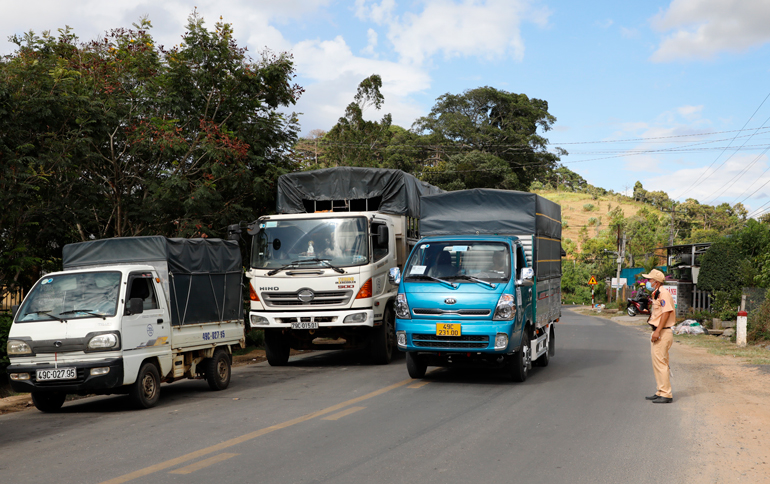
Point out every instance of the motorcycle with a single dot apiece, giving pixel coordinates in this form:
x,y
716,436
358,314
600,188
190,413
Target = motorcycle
x,y
638,305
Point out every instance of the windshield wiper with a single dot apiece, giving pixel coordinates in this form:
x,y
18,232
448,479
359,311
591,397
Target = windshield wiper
x,y
426,276
474,279
87,311
305,261
47,313
328,264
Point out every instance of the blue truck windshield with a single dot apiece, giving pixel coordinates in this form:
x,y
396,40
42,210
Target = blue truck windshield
x,y
489,261
339,241
72,296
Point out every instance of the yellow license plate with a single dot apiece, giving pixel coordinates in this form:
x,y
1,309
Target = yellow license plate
x,y
448,329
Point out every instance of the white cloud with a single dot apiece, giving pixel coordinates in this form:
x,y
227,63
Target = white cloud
x,y
378,13
604,24
371,37
335,73
700,29
487,29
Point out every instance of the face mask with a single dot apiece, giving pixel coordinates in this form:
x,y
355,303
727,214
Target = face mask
x,y
649,286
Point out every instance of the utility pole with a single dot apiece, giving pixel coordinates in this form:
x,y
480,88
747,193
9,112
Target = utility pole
x,y
673,222
621,256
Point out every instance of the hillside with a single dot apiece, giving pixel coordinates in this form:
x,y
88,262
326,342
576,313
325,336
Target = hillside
x,y
576,216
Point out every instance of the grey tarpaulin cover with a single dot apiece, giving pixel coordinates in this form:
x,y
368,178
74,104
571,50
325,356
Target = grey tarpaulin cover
x,y
400,191
503,212
204,274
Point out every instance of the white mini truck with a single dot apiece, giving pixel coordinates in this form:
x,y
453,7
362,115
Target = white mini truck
x,y
126,314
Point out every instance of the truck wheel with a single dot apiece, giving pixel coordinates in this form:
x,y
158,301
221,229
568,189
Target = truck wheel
x,y
521,360
218,370
276,347
631,311
384,338
415,365
145,392
48,402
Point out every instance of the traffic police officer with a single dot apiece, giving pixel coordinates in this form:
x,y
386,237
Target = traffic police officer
x,y
662,320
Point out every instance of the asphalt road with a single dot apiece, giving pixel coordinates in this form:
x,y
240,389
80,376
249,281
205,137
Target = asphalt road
x,y
330,418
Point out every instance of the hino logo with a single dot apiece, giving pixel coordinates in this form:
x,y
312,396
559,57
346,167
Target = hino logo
x,y
58,344
269,289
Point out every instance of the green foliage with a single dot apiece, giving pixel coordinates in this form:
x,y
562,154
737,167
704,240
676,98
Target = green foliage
x,y
758,326
589,207
574,287
5,327
119,137
499,130
256,338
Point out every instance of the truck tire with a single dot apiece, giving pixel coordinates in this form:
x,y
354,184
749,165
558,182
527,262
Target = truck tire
x,y
415,365
48,402
276,347
145,391
384,338
521,360
218,370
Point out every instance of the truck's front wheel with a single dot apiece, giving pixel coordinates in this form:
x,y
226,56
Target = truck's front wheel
x,y
277,347
384,338
521,360
145,392
415,365
218,370
47,401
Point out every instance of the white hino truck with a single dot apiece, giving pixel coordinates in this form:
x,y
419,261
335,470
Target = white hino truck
x,y
319,268
126,314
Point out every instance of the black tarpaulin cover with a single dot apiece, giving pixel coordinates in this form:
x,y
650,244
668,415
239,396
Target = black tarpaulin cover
x,y
400,191
204,274
483,211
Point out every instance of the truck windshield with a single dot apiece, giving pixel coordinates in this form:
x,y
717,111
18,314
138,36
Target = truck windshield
x,y
340,241
72,296
488,261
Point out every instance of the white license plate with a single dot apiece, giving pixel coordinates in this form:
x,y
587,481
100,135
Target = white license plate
x,y
57,374
304,325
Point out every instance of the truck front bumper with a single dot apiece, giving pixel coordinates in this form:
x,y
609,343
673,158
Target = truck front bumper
x,y
324,319
24,377
476,336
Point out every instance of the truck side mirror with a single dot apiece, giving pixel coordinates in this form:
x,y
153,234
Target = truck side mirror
x,y
382,236
527,277
135,305
234,232
14,310
394,276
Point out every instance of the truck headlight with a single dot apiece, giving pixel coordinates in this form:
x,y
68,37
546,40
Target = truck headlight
x,y
355,318
17,347
504,310
402,308
103,342
259,320
401,338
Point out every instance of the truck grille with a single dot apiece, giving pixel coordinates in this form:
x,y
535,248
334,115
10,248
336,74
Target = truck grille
x,y
465,341
450,312
320,298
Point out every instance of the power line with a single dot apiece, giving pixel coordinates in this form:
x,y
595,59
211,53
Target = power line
x,y
720,154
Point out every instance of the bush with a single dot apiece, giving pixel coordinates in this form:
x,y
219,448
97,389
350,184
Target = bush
x,y
589,207
5,328
758,327
256,338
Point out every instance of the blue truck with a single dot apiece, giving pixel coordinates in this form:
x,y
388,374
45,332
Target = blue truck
x,y
483,284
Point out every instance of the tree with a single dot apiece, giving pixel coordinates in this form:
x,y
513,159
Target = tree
x,y
119,137
354,141
493,130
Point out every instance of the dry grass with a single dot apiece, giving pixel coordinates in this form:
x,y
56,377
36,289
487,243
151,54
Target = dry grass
x,y
754,355
576,217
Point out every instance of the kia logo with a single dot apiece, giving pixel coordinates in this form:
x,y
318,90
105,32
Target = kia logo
x,y
305,295
450,300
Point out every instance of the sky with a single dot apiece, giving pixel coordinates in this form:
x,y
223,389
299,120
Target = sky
x,y
671,93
